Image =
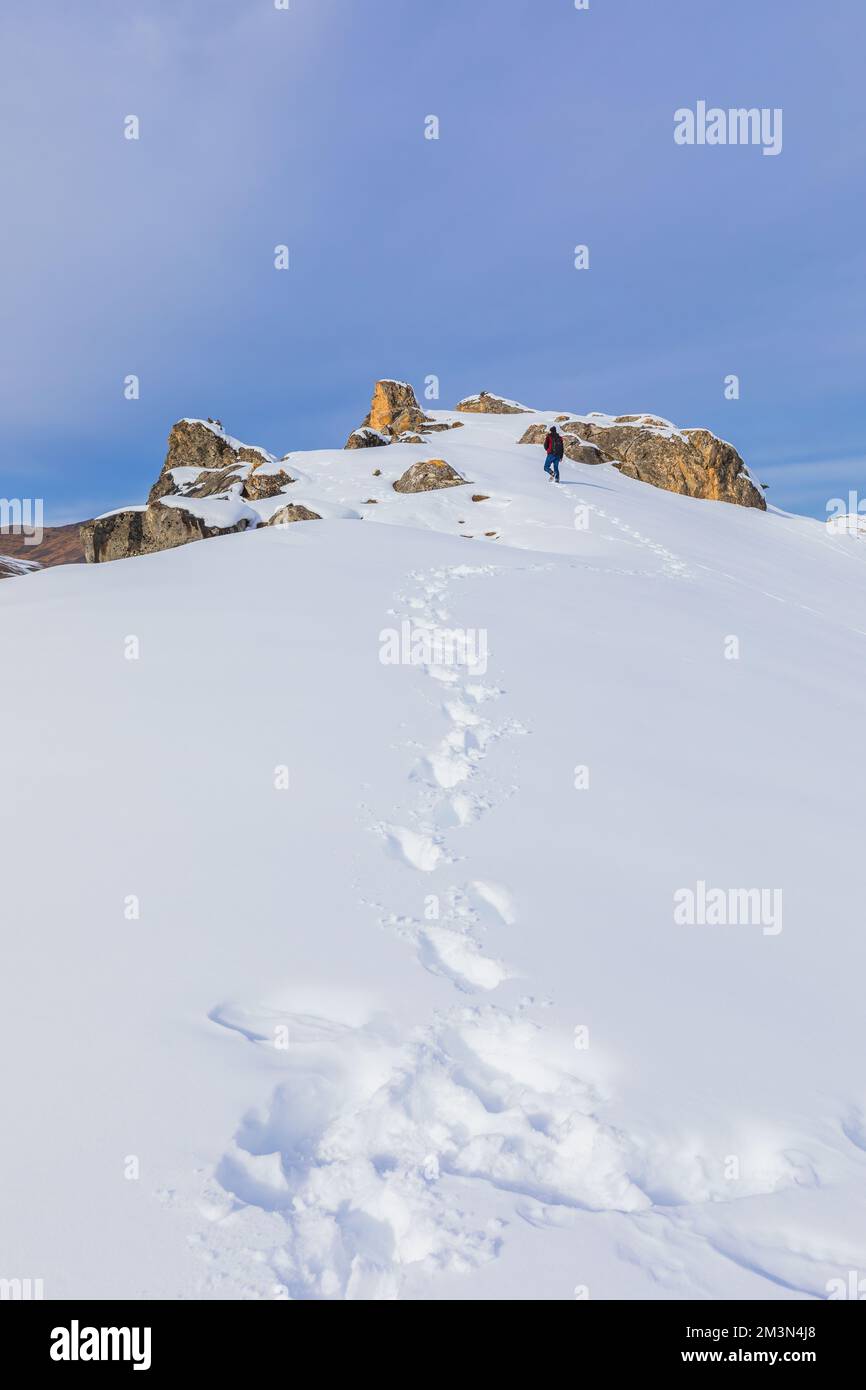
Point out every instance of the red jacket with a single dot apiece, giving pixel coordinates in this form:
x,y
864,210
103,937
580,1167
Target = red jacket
x,y
553,443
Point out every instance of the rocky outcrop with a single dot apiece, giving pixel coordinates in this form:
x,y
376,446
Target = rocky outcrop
x,y
212,482
427,476
575,448
254,457
194,444
394,409
394,415
145,530
293,511
203,465
693,462
219,463
364,438
263,483
485,404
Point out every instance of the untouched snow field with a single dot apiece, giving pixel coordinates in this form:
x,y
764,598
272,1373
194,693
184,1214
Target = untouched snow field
x,y
327,976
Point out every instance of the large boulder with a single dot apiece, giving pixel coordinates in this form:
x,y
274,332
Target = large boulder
x,y
292,511
691,461
485,404
141,531
365,438
427,476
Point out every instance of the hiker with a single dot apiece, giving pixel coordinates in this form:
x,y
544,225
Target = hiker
x,y
555,449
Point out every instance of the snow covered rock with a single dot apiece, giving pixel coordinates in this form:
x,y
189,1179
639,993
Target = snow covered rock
x,y
394,414
485,404
212,482
692,461
394,410
203,445
143,530
575,448
206,487
265,482
193,444
292,512
366,439
427,476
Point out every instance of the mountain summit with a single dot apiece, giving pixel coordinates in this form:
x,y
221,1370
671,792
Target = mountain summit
x,y
212,484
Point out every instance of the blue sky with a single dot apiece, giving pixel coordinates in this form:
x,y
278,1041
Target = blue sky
x,y
412,257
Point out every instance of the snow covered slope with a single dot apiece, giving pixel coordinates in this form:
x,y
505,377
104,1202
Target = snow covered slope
x,y
333,975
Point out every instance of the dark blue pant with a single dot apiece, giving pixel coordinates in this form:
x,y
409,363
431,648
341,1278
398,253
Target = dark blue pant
x,y
551,465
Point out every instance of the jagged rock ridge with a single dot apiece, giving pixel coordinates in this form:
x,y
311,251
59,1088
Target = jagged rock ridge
x,y
651,450
212,484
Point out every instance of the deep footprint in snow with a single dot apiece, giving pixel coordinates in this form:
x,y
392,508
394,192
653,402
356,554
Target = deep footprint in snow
x,y
416,848
458,956
466,807
498,898
448,946
354,1173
